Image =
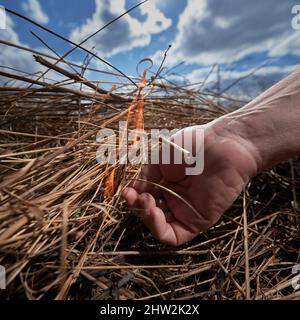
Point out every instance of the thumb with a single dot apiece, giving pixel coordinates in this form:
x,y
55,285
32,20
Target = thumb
x,y
186,154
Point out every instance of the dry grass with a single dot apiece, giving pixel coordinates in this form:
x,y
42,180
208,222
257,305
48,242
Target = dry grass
x,y
64,235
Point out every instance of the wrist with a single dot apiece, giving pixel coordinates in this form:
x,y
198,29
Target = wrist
x,y
239,130
270,130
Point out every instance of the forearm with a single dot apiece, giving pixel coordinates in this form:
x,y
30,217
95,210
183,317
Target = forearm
x,y
270,123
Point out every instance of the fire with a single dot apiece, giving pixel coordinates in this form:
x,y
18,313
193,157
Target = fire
x,y
138,101
110,184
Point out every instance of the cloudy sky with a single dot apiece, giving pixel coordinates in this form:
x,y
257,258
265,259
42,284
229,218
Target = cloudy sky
x,y
235,37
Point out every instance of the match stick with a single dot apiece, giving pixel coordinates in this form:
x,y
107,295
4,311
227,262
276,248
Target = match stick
x,y
176,146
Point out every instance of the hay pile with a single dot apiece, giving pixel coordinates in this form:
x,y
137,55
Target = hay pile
x,y
61,238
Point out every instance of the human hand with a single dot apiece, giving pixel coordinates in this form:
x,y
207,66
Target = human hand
x,y
229,162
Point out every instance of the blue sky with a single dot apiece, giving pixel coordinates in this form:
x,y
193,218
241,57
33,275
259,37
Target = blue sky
x,y
238,35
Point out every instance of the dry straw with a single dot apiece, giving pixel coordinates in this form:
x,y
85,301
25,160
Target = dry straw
x,y
66,233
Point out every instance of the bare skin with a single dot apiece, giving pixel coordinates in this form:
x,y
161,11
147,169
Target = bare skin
x,y
237,147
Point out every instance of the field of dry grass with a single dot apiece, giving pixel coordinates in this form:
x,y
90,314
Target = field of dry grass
x,y
66,233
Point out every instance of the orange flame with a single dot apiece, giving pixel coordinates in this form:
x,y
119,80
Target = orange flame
x,y
139,114
110,184
138,124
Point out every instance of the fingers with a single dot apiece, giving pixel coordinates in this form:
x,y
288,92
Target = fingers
x,y
155,219
152,216
163,226
131,196
185,152
173,233
146,202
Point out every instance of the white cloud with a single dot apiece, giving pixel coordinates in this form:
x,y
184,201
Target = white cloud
x,y
35,11
10,56
244,84
125,34
213,31
199,75
18,59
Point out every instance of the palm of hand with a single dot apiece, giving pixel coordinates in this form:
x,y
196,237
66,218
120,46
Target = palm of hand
x,y
228,166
